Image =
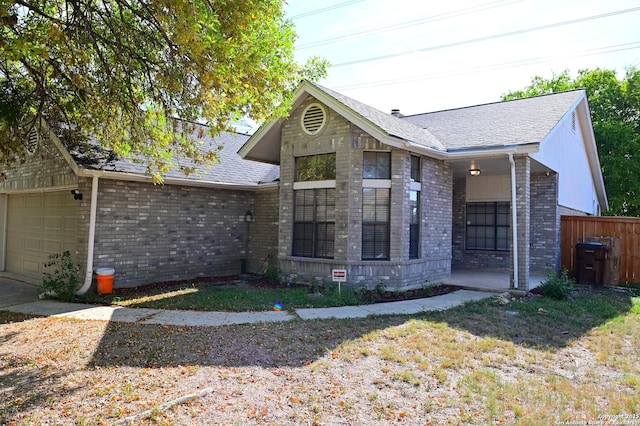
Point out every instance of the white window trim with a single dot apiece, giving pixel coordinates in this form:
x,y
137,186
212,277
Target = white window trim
x,y
376,183
415,186
315,184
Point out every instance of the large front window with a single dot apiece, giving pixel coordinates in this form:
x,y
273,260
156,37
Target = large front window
x,y
488,226
314,222
414,209
376,202
314,206
316,167
375,223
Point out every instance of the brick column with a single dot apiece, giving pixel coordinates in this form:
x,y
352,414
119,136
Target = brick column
x,y
523,216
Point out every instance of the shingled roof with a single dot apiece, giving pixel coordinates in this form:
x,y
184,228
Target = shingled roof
x,y
392,125
231,168
508,123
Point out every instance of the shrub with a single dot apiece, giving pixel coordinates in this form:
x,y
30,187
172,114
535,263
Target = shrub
x,y
558,286
63,281
271,273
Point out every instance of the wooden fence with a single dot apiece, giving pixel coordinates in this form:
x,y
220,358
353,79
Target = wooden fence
x,y
576,229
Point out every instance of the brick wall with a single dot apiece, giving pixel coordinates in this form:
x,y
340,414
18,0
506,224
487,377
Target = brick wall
x,y
472,259
545,223
349,143
523,204
263,236
159,233
45,169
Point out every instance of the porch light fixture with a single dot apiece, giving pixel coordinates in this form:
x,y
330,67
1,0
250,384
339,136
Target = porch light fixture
x,y
248,216
474,172
77,195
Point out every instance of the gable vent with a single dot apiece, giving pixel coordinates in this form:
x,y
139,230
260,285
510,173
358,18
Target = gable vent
x,y
31,144
313,119
573,121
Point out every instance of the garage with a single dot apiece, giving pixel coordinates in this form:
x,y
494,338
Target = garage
x,y
39,225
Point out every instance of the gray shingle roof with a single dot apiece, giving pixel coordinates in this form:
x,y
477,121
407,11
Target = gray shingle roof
x,y
231,169
516,122
391,124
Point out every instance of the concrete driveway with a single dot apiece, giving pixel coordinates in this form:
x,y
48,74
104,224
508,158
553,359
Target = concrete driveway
x,y
15,292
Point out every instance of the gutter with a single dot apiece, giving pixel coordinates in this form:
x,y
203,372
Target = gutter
x,y
514,222
91,238
133,177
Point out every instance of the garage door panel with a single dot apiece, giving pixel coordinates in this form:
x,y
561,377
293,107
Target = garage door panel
x,y
32,202
32,244
39,225
32,266
52,246
54,224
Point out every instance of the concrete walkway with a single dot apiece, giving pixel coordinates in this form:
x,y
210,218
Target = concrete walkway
x,y
23,298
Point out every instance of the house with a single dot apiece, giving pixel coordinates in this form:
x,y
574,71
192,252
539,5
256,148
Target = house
x,y
335,185
404,199
107,212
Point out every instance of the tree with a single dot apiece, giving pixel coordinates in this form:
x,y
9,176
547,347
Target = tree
x,y
615,113
121,71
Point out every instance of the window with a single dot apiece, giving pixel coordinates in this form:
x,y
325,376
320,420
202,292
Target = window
x,y
375,223
377,165
488,226
414,224
415,169
376,196
316,167
314,222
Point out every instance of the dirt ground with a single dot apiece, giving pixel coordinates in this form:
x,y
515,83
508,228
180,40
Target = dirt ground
x,y
377,370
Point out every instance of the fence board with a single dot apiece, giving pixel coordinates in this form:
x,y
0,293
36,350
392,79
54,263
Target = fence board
x,y
574,229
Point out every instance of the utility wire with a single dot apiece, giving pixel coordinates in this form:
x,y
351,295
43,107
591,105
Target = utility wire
x,y
324,9
407,24
504,65
491,37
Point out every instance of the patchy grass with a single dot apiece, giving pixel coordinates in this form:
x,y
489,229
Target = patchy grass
x,y
241,296
533,361
234,298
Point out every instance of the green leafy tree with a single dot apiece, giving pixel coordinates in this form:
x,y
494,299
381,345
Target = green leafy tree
x,y
615,113
121,71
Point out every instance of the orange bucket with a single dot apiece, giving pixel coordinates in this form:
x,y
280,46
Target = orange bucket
x,y
104,277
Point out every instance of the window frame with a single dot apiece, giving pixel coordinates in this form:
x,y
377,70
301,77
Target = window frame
x,y
322,242
490,222
328,175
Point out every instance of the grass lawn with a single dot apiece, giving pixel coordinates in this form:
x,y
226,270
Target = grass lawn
x,y
233,297
533,361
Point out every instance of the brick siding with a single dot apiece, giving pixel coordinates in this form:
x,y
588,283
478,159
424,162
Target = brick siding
x,y
349,143
151,233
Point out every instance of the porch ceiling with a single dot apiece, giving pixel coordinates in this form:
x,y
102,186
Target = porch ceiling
x,y
490,166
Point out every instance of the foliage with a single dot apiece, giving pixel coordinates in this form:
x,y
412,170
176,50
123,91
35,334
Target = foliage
x,y
63,281
119,71
615,113
271,272
558,286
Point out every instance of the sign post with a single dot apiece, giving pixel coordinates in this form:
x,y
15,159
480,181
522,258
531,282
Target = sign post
x,y
339,276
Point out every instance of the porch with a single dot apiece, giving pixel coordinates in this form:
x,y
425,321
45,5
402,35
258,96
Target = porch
x,y
487,280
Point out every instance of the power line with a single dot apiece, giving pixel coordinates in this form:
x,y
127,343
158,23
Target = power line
x,y
504,65
491,37
324,9
407,24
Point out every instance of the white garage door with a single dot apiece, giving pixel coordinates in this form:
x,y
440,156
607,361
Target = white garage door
x,y
39,225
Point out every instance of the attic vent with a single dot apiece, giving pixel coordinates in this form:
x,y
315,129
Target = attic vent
x,y
573,121
313,119
31,144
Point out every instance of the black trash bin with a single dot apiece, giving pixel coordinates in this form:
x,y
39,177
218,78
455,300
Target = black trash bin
x,y
590,262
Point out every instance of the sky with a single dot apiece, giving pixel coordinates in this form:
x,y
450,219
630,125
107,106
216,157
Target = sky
x,y
421,55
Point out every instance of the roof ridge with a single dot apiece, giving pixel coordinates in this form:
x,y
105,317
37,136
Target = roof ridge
x,y
494,103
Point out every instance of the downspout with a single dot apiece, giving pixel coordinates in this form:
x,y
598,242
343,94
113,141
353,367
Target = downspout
x,y
514,221
91,240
